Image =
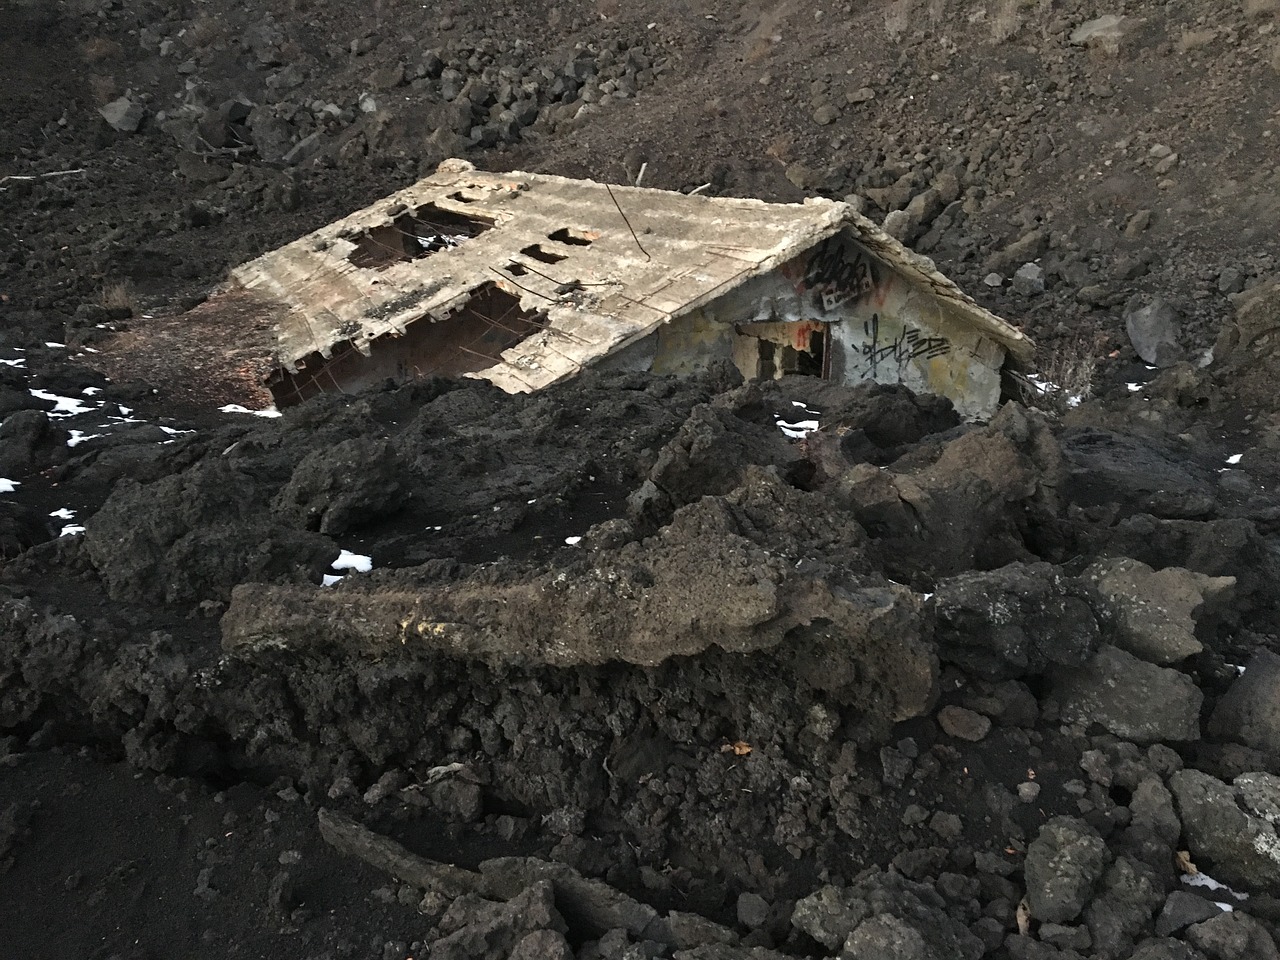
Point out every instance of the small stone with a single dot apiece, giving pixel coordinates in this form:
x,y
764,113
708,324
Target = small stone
x,y
825,114
900,225
1095,294
123,114
1181,910
802,176
753,910
1230,281
946,825
1029,280
861,95
963,724
993,280
1028,790
387,784
1153,330
1138,224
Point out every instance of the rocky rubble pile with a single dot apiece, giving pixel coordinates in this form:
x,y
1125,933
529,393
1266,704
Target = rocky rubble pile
x,y
903,688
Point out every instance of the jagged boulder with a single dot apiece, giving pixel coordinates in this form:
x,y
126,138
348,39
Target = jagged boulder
x,y
1249,712
884,916
1065,864
1131,698
1015,621
1237,826
1155,610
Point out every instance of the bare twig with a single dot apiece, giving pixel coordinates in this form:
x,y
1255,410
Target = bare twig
x,y
640,173
40,176
705,186
627,222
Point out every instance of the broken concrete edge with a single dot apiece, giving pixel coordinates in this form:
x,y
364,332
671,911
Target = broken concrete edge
x,y
594,906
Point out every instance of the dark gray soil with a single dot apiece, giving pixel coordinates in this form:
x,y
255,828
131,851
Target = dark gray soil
x,y
633,674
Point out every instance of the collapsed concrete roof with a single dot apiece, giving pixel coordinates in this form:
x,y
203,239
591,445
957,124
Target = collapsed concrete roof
x,y
576,270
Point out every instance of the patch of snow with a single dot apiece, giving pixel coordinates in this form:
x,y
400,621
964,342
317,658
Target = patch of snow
x,y
79,436
63,406
352,561
236,408
1134,387
1225,907
1206,881
573,541
20,362
52,343
71,529
91,391
329,579
174,431
63,513
1235,458
8,486
797,430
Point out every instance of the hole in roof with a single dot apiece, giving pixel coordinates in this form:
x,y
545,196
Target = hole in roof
x,y
573,239
470,339
543,256
462,196
415,233
515,269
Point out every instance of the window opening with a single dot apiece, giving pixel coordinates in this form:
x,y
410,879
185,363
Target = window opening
x,y
542,256
565,236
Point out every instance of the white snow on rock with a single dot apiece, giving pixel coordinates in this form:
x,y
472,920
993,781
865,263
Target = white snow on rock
x,y
798,429
572,541
1235,458
63,406
236,408
1204,880
63,513
352,561
71,529
8,486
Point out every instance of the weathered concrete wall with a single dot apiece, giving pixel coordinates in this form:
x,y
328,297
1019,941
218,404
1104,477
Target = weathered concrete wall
x,y
882,328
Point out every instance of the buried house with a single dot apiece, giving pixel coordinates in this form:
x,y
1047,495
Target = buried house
x,y
523,280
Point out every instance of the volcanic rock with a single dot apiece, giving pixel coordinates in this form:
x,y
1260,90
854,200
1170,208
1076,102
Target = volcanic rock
x,y
1249,712
1015,621
1233,825
1181,910
1154,611
1233,936
1131,698
882,916
1153,330
1064,865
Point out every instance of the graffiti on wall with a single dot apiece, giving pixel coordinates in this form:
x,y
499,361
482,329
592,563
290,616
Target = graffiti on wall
x,y
836,273
911,343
